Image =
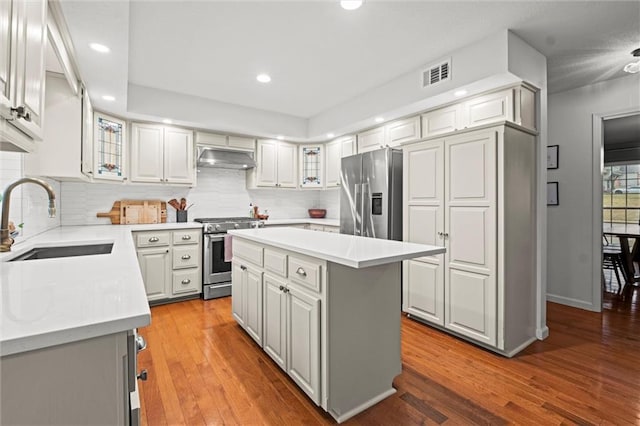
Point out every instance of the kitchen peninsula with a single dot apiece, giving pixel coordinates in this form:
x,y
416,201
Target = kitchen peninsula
x,y
326,308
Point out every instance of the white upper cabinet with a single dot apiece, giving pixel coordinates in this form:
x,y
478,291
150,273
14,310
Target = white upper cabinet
x,y
109,148
277,164
442,120
161,154
23,32
335,151
371,140
402,131
223,141
312,166
516,104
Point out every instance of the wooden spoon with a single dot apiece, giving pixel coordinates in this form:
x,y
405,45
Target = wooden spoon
x,y
174,203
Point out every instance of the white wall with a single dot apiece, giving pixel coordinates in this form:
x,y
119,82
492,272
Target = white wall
x,y
220,192
29,203
570,231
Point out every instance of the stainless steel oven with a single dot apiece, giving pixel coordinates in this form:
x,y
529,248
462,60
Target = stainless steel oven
x,y
216,275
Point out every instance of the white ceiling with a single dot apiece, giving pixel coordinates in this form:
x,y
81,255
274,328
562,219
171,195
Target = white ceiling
x,y
320,55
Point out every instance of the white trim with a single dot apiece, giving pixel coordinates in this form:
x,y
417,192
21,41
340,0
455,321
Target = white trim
x,y
517,349
596,198
360,408
542,333
576,303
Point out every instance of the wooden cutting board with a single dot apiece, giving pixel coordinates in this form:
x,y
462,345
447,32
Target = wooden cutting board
x,y
136,211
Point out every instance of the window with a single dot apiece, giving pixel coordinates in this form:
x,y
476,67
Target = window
x,y
621,194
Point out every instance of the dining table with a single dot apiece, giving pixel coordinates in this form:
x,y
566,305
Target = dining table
x,y
630,254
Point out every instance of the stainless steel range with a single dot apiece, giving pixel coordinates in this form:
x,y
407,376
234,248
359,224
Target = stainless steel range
x,y
216,275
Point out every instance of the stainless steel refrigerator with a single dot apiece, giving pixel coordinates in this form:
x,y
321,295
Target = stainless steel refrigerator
x,y
371,194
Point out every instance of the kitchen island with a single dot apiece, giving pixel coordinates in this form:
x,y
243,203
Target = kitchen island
x,y
326,308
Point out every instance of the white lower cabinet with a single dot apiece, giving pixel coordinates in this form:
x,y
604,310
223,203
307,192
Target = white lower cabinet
x,y
170,263
474,193
281,315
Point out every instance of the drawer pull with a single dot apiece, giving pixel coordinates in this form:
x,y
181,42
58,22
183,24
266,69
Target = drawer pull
x,y
154,239
301,271
186,281
186,237
186,257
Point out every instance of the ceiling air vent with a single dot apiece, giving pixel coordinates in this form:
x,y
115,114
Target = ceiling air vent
x,y
436,73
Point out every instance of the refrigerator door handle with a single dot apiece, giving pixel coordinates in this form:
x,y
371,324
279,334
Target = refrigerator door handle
x,y
367,223
357,195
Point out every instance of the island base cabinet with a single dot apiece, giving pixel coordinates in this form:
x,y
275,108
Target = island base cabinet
x,y
303,342
246,299
78,383
292,333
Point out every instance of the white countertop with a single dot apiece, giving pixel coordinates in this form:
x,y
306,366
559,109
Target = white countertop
x,y
326,222
48,302
349,250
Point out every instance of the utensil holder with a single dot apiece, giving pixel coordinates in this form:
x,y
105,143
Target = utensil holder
x,y
181,215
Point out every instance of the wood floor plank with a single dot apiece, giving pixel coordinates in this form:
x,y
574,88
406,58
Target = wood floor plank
x,y
204,369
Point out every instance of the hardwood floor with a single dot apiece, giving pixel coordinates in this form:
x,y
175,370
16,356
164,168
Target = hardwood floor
x,y
204,369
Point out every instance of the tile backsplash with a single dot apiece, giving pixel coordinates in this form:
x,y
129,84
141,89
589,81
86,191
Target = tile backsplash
x,y
29,203
219,192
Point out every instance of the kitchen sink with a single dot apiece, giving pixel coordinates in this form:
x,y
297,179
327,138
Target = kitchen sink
x,y
64,251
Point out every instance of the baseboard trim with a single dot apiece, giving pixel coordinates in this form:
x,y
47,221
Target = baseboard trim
x,y
360,408
542,333
576,303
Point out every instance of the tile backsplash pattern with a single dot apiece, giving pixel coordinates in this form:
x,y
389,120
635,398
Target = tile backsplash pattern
x,y
29,203
219,192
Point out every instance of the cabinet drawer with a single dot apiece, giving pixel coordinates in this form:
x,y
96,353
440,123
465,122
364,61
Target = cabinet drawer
x,y
186,236
187,281
304,272
248,251
152,238
275,261
185,257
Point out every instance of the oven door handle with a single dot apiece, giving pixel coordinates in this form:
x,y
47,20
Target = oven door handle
x,y
211,237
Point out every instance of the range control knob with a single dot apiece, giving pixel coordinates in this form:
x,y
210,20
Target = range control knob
x,y
217,227
208,228
235,225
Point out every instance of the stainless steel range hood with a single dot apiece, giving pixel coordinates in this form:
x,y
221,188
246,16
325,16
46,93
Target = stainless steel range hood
x,y
224,159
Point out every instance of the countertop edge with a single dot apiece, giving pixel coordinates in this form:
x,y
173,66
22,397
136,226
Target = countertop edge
x,y
81,332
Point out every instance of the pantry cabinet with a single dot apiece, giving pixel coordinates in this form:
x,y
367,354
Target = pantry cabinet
x,y
474,193
161,154
277,164
170,262
23,38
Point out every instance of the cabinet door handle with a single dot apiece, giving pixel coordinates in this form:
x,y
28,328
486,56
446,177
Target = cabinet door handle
x,y
186,281
286,290
281,288
186,257
446,235
21,112
301,271
440,234
244,268
154,239
186,237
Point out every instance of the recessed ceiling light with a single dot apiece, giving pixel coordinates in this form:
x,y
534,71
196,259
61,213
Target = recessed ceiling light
x,y
632,67
167,121
379,119
244,166
279,137
459,93
330,135
99,47
108,98
350,4
263,78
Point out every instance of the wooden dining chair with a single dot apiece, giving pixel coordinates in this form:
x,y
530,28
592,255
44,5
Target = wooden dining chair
x,y
612,260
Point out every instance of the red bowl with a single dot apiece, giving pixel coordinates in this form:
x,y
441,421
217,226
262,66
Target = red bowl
x,y
317,213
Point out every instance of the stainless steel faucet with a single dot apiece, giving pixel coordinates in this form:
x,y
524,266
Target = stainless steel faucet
x,y
5,239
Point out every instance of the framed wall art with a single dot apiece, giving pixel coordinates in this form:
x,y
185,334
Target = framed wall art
x,y
552,194
552,156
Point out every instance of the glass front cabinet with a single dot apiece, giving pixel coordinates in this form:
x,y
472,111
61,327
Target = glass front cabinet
x,y
311,166
110,147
